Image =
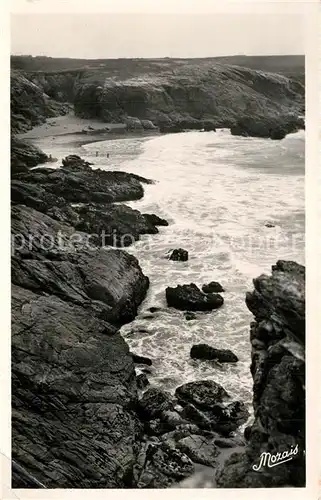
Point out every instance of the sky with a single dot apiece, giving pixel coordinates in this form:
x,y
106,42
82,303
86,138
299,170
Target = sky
x,y
40,27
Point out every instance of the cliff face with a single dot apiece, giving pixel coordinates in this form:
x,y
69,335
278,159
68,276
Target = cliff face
x,y
171,92
213,92
73,378
30,105
278,371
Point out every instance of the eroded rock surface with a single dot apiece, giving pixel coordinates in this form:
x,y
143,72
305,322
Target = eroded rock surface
x,y
278,371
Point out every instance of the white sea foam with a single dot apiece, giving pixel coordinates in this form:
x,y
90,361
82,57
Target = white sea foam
x,y
218,192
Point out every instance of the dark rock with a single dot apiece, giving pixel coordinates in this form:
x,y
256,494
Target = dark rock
x,y
75,162
154,402
228,417
190,297
160,465
274,128
198,417
142,381
213,287
278,371
24,156
141,360
155,220
278,133
204,351
209,126
199,449
77,182
179,255
247,432
65,361
268,224
88,278
189,316
154,309
202,393
115,225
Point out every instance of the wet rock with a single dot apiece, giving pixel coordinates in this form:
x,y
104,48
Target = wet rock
x,y
197,417
204,351
141,360
228,417
222,442
154,402
278,371
179,254
77,182
155,220
189,316
142,381
190,297
274,128
65,361
199,449
201,393
268,224
159,466
213,287
76,162
116,225
25,155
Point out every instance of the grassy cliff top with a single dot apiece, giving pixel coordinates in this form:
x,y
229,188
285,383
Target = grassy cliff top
x,y
291,65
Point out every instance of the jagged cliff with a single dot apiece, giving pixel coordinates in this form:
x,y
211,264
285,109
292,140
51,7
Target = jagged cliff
x,y
171,93
30,105
278,371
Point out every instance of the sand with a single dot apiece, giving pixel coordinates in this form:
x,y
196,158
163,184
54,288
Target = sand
x,y
71,124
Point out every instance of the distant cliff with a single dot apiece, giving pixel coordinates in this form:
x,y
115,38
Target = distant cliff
x,y
168,92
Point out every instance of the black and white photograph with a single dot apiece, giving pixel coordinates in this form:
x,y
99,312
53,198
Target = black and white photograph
x,y
158,217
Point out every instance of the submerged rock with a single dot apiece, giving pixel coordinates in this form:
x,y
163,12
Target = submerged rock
x,y
205,351
190,297
189,316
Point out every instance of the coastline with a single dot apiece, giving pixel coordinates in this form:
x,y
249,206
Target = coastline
x,y
102,282
85,130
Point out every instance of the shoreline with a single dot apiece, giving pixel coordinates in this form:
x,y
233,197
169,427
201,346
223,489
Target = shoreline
x,y
87,130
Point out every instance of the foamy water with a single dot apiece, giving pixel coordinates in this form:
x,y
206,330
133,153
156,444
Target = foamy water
x,y
217,192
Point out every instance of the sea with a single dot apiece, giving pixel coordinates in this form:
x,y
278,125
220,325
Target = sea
x,y
237,205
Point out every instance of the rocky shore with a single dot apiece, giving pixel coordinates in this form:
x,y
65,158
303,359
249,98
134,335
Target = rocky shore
x,y
82,415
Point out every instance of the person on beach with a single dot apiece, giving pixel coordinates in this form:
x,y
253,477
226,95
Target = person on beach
x,y
96,153
107,155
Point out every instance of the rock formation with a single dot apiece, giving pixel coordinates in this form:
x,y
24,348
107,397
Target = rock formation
x,y
190,298
278,371
174,95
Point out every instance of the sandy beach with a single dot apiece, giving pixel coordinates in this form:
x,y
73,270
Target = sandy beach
x,y
71,124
